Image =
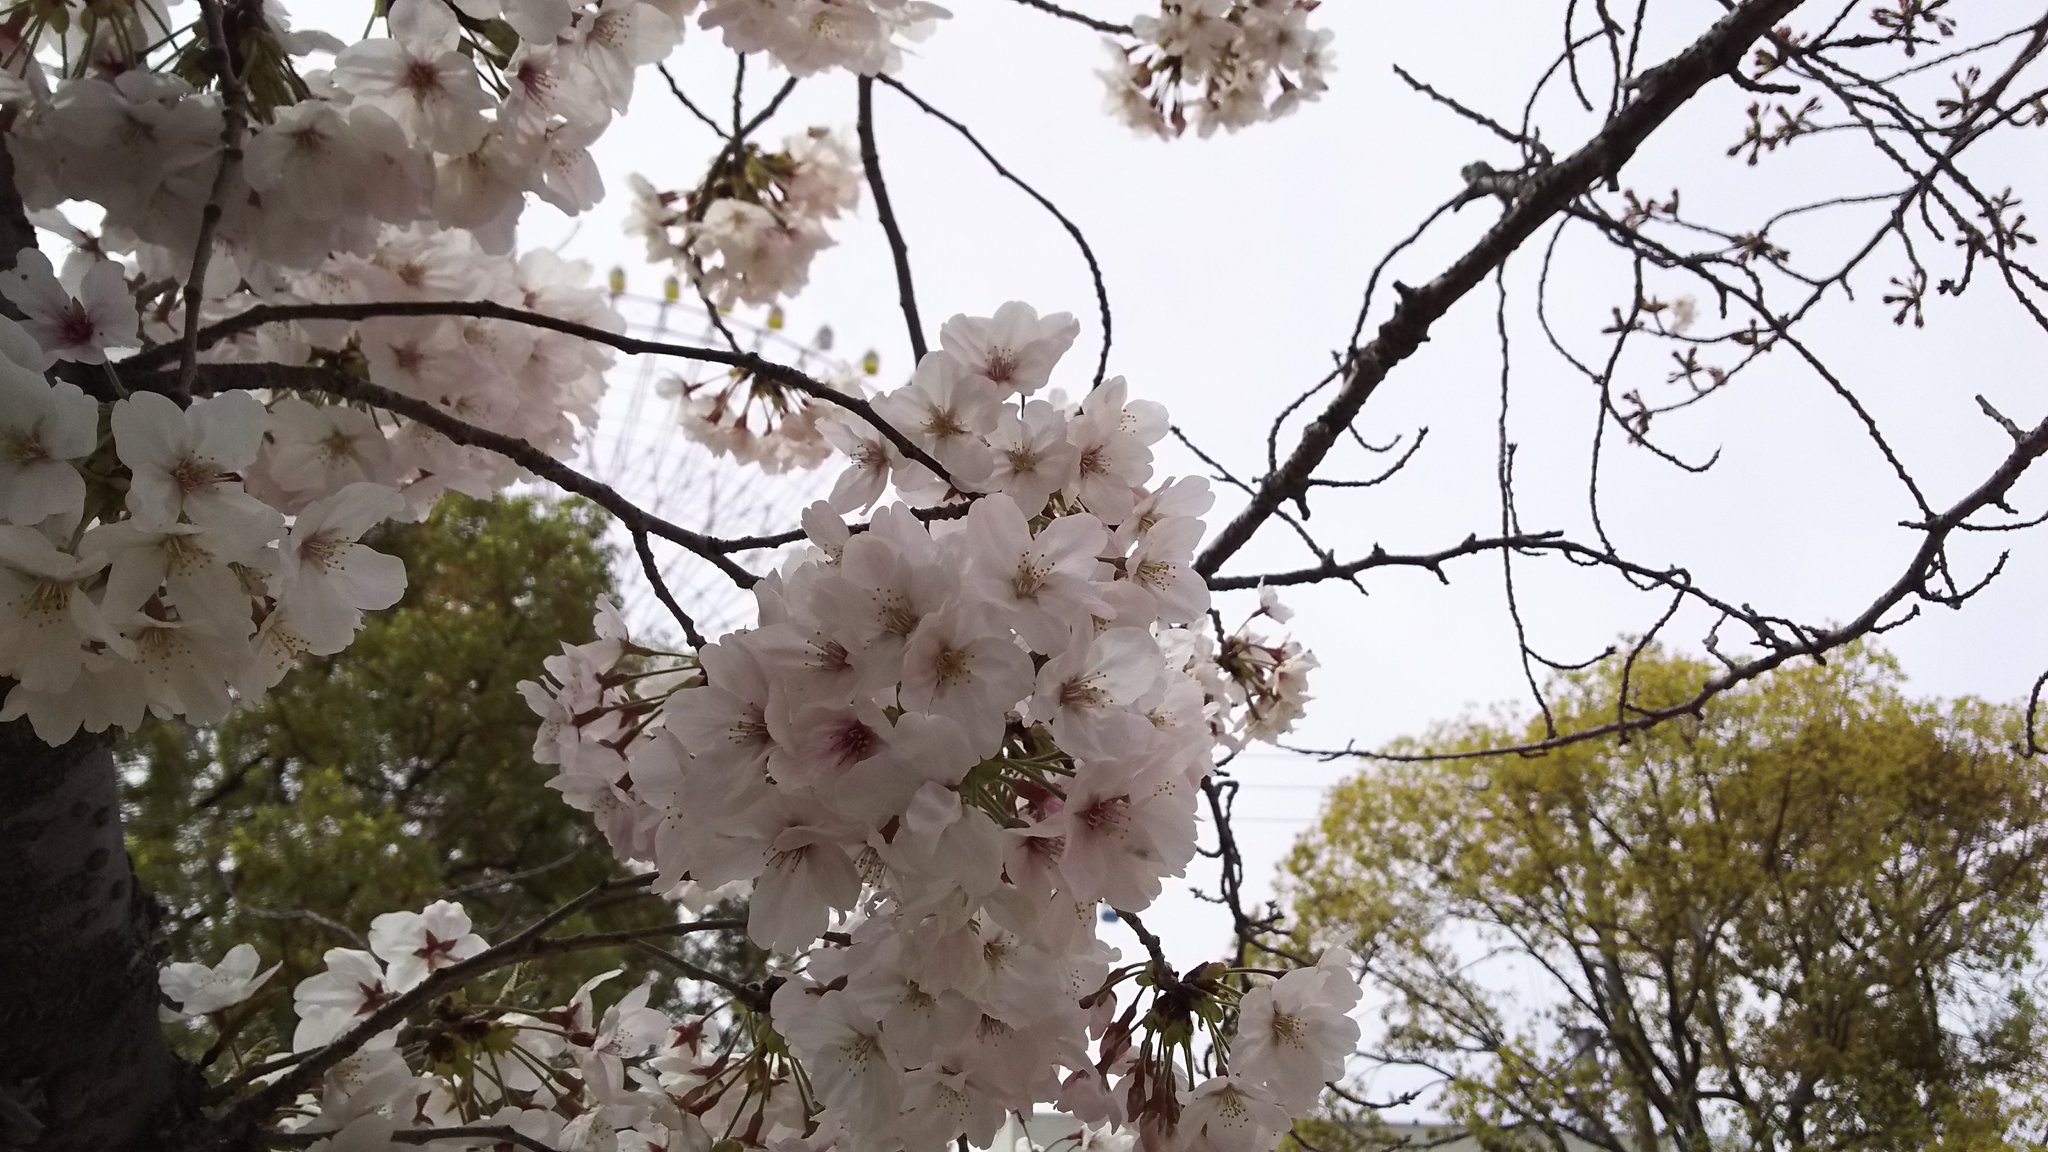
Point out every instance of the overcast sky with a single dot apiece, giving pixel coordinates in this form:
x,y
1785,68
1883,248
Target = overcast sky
x,y
1235,265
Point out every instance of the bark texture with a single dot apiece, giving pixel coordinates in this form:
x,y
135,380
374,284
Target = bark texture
x,y
83,1062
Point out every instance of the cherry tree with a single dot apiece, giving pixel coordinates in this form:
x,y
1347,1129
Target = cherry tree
x,y
993,680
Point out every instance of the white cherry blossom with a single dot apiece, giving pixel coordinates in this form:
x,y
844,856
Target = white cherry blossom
x,y
77,327
45,430
326,578
199,990
415,944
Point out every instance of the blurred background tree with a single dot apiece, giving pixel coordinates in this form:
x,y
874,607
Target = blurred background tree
x,y
396,773
1804,919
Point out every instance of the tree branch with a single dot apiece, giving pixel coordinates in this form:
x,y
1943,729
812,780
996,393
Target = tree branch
x,y
1808,642
1663,90
334,382
1073,230
247,1113
748,362
871,160
1086,21
234,121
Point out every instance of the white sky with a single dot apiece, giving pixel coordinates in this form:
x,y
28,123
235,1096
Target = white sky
x,y
1234,268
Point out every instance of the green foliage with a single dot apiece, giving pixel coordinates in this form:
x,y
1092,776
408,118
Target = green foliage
x,y
1804,919
394,774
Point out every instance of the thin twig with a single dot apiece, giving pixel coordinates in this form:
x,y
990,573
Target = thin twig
x,y
1102,26
333,382
245,1114
1072,229
1664,89
871,160
234,122
750,362
675,88
1810,642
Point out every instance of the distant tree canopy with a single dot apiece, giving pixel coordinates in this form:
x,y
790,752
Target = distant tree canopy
x,y
1802,920
394,774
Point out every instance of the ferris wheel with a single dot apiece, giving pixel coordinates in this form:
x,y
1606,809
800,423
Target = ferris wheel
x,y
639,448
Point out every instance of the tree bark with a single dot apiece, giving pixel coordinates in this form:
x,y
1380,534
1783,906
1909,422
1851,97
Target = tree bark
x,y
83,1062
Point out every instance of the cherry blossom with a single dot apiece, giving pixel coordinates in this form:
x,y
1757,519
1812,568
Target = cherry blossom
x,y
47,621
1294,1035
199,990
326,578
951,729
417,943
68,327
418,77
188,461
1231,62
45,430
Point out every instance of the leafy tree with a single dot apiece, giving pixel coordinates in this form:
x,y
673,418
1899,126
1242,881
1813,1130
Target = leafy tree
x,y
1803,918
396,773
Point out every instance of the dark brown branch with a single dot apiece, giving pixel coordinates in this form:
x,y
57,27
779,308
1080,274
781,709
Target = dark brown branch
x,y
752,997
661,589
1072,229
1532,149
1102,26
332,382
1807,642
871,161
500,1133
747,362
1662,91
1432,562
234,122
676,89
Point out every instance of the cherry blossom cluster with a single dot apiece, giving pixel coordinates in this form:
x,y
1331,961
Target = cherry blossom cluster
x,y
452,117
1262,681
808,36
567,1077
749,232
168,559
947,740
1233,62
814,1067
756,420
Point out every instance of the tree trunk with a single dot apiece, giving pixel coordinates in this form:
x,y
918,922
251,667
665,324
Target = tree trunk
x,y
83,1062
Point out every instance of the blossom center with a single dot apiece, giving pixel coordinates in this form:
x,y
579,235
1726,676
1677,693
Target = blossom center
x,y
191,474
1287,1030
434,948
1107,815
74,327
851,741
1030,578
337,447
374,996
22,448
1081,692
943,424
51,596
951,667
422,79
320,550
897,616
